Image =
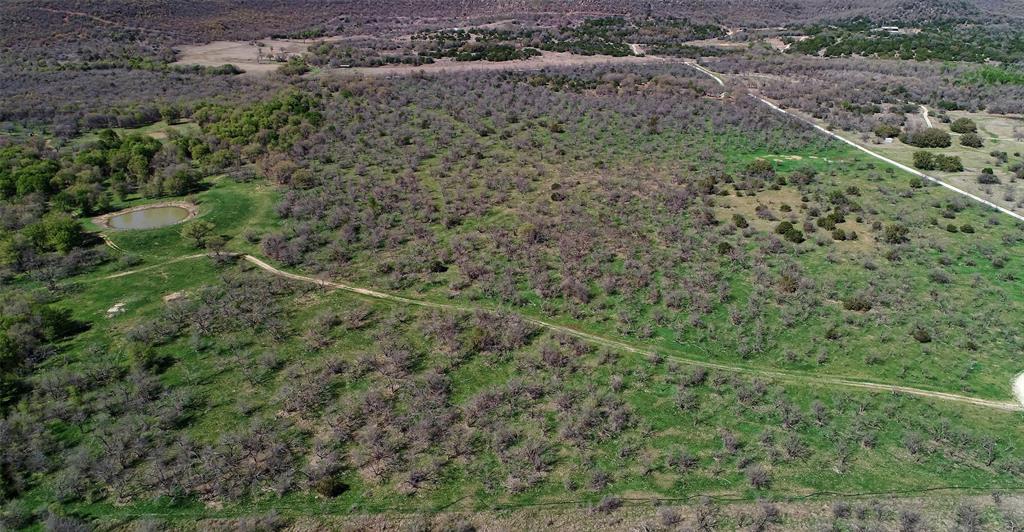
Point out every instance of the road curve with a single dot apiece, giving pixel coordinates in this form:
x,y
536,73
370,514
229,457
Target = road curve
x,y
1006,406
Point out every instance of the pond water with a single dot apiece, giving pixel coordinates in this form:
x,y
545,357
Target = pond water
x,y
149,218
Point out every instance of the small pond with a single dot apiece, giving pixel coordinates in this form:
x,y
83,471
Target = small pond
x,y
150,218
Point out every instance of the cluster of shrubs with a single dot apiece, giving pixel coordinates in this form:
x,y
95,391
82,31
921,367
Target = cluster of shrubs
x,y
927,138
988,177
789,232
924,160
887,131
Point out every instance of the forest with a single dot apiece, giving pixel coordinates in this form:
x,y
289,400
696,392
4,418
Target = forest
x,y
943,41
618,295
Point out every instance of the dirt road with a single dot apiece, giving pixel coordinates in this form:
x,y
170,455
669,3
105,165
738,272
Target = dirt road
x,y
246,56
924,115
826,381
714,76
881,157
784,376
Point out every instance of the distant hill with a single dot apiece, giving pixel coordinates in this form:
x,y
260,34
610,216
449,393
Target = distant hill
x,y
181,20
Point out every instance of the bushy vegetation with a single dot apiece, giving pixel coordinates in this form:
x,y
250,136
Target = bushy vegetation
x,y
995,75
599,284
963,125
341,211
971,140
944,41
927,138
859,94
925,160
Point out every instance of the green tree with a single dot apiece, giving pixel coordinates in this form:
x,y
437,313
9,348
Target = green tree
x,y
760,168
895,234
35,177
887,131
138,166
971,140
924,160
948,163
963,125
927,138
170,113
198,232
62,232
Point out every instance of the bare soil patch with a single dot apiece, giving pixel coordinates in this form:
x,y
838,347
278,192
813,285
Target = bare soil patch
x,y
247,56
717,43
244,54
545,60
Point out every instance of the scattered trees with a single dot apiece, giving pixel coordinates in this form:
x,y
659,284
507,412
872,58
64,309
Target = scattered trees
x,y
895,234
927,138
198,232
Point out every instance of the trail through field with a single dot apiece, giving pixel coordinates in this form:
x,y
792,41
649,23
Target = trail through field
x,y
819,380
876,155
928,123
924,115
147,268
827,381
110,243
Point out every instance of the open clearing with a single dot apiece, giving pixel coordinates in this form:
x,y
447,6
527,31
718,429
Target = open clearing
x,y
545,60
245,55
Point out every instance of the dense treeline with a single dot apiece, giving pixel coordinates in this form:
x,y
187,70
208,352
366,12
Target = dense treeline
x,y
69,103
941,42
510,42
42,193
857,94
189,19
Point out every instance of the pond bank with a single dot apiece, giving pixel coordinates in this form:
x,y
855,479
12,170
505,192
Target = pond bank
x,y
192,210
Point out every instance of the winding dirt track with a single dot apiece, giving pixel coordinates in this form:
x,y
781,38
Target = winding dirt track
x,y
820,380
1008,406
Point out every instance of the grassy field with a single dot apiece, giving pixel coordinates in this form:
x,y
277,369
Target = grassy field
x,y
998,134
158,130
